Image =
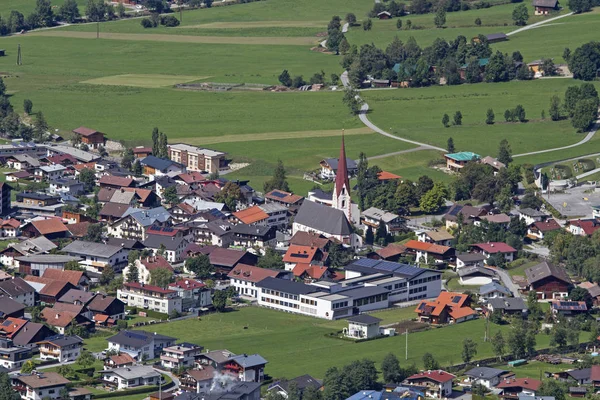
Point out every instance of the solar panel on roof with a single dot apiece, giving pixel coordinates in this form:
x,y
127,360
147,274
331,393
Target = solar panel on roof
x,y
136,336
367,262
6,323
456,299
279,195
455,211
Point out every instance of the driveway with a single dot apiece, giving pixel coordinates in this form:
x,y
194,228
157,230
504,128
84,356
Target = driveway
x,y
507,281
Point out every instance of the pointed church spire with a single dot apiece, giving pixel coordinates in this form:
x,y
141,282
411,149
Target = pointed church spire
x,y
341,176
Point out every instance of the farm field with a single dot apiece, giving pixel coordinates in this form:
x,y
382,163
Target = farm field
x,y
280,337
407,114
27,6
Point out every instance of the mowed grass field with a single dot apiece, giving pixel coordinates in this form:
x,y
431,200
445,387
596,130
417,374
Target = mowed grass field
x,y
27,6
417,113
296,345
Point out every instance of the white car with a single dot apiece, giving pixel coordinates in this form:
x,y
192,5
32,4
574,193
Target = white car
x,y
139,6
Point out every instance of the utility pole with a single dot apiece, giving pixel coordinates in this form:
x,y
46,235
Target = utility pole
x,y
19,57
180,11
98,30
406,355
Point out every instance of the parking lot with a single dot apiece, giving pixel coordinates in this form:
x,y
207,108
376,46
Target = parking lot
x,y
575,202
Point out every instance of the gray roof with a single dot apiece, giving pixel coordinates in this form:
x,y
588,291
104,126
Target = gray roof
x,y
508,304
364,319
287,286
380,215
333,163
219,356
137,339
81,155
73,295
91,249
365,291
15,287
48,258
544,270
148,217
323,218
9,306
495,36
545,3
530,212
258,230
37,245
580,374
160,164
170,243
251,360
133,372
470,257
302,382
62,340
484,372
493,287
466,271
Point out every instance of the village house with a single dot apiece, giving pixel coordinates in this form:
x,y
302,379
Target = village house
x,y
592,288
457,161
180,356
545,7
492,248
11,308
130,377
539,229
508,306
61,348
246,367
491,161
529,215
135,222
486,376
475,276
362,326
96,256
568,308
391,252
436,384
286,199
449,307
66,185
115,182
493,290
23,161
501,219
198,380
51,228
301,382
64,316
173,247
108,306
245,277
149,297
193,293
120,360
436,236
36,203
374,217
311,273
40,385
49,172
198,159
514,388
38,264
464,260
329,167
90,137
306,255
154,166
225,260
18,290
467,213
582,227
145,265
271,214
36,245
248,236
23,332
425,251
141,345
548,281
12,357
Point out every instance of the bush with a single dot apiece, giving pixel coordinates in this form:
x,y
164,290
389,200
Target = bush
x,y
146,23
169,21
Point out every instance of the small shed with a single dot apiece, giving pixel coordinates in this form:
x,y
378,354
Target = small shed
x,y
496,37
2,52
384,15
362,326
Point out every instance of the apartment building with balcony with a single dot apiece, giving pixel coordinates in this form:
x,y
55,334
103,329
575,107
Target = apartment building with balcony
x,y
149,297
180,356
197,159
61,348
12,357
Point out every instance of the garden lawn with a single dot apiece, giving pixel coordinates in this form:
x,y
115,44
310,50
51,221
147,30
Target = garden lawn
x,y
413,165
520,270
281,337
407,113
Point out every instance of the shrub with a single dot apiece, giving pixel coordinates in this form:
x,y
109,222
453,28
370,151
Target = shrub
x,y
169,21
146,23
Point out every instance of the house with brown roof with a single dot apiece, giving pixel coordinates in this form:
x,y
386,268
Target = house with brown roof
x,y
593,289
51,228
112,212
225,260
116,182
150,297
296,254
436,384
40,385
251,216
467,213
424,251
391,252
245,277
9,227
53,290
513,388
91,137
311,239
548,281
23,332
198,380
287,199
545,7
146,265
18,290
11,308
120,360
76,278
449,307
539,229
63,320
311,273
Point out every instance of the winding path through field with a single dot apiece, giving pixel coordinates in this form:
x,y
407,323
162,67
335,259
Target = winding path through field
x,y
537,24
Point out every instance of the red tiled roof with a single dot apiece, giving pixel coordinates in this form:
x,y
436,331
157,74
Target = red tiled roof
x,y
13,223
495,247
83,131
12,325
313,271
137,150
309,239
50,225
525,383
61,158
547,226
454,301
386,176
163,231
122,359
392,249
101,317
439,376
150,288
191,177
154,262
116,180
53,288
595,373
79,229
284,197
188,209
73,277
250,273
90,165
187,284
251,215
427,247
588,226
300,254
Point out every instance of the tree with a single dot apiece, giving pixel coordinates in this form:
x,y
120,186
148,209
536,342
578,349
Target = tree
x,y
6,390
489,118
558,337
230,194
519,113
352,100
585,114
69,11
472,72
504,152
530,200
121,12
285,78
509,116
338,256
40,126
335,385
163,143
65,370
311,393
136,168
155,143
367,24
161,277
434,199
298,81
16,21
133,274
478,21
43,11
293,392
579,6
567,54
548,67
430,363
446,120
96,10
278,181
351,19
399,24
572,96
554,108
108,274
498,344
73,265
220,300
369,236
85,359
469,350
94,233
271,260
390,368
458,118
520,15
200,266
450,145
170,196
27,106
28,367
440,17
552,388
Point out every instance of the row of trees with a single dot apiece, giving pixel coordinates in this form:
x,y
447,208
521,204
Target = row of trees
x,y
581,105
12,125
297,81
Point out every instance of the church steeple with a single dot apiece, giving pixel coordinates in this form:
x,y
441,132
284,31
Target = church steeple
x,y
341,189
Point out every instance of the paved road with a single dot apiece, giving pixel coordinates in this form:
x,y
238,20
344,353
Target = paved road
x,y
586,139
173,377
507,281
345,27
532,26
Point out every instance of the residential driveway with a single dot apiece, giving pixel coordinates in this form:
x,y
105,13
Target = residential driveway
x,y
507,281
